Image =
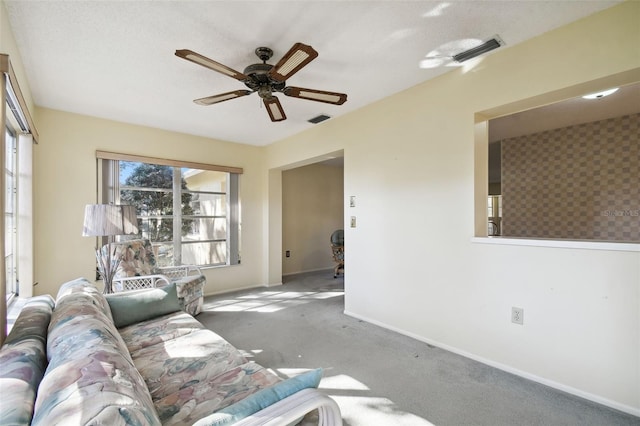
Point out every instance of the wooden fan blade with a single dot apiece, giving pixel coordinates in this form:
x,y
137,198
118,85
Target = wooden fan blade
x,y
276,113
316,95
210,100
292,62
197,58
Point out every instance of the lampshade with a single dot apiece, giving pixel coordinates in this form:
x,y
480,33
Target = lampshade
x,y
108,219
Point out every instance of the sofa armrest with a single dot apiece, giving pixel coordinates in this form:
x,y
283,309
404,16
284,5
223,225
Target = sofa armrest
x,y
191,293
291,409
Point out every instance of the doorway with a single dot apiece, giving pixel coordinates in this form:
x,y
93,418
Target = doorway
x,y
312,209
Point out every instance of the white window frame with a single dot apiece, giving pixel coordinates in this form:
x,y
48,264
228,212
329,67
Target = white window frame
x,y
11,212
13,107
109,192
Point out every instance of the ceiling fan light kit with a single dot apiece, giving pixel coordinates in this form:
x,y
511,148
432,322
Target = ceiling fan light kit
x,y
487,46
265,79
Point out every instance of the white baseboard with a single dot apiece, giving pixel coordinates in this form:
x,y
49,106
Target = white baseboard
x,y
306,271
568,389
233,290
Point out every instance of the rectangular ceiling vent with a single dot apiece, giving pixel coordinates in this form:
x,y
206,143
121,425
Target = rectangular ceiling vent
x,y
487,46
319,119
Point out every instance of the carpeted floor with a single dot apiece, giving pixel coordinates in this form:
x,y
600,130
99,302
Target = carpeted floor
x,y
379,377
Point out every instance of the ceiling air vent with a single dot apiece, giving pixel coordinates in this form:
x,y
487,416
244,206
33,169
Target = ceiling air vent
x,y
485,47
318,119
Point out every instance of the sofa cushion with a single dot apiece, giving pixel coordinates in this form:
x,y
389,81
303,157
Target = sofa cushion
x,y
262,399
33,320
93,294
23,361
190,371
194,401
158,330
74,315
99,387
188,359
135,306
21,369
90,378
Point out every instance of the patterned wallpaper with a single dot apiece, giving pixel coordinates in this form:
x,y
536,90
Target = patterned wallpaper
x,y
580,182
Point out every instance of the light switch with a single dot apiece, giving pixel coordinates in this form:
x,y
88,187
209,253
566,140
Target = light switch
x,y
352,201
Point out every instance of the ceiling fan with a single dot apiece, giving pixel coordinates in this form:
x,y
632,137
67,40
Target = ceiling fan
x,y
266,79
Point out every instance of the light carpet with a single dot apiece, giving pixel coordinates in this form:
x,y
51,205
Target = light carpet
x,y
379,377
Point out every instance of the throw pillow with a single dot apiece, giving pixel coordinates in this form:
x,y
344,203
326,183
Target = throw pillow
x,y
135,306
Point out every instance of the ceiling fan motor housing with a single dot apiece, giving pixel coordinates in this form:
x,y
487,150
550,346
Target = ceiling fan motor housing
x,y
258,78
264,53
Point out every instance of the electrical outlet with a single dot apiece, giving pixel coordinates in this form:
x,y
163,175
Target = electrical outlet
x,y
517,315
353,221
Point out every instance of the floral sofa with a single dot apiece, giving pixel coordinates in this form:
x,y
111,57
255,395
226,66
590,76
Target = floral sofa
x,y
135,358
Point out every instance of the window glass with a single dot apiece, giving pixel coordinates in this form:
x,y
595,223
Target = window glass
x,y
10,213
184,212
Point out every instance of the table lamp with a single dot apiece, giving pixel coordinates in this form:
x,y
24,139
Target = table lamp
x,y
108,220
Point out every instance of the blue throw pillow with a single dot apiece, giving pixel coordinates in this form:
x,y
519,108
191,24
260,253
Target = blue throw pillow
x,y
262,399
135,306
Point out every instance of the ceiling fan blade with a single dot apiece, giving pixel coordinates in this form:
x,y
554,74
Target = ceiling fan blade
x,y
210,100
274,108
316,95
197,58
292,62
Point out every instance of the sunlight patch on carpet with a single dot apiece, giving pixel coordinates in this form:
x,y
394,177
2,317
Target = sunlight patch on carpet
x,y
367,411
269,301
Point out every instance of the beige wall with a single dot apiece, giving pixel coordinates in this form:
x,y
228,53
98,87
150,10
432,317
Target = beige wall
x,y
580,182
312,208
66,180
414,265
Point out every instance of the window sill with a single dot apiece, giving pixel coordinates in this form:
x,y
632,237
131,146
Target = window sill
x,y
574,244
209,267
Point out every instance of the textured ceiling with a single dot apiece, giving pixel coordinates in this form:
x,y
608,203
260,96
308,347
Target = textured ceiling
x,y
115,59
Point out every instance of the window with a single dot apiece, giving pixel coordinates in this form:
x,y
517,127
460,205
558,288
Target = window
x,y
10,213
190,214
17,233
494,213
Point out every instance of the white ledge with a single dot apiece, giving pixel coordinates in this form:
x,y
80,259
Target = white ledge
x,y
574,244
